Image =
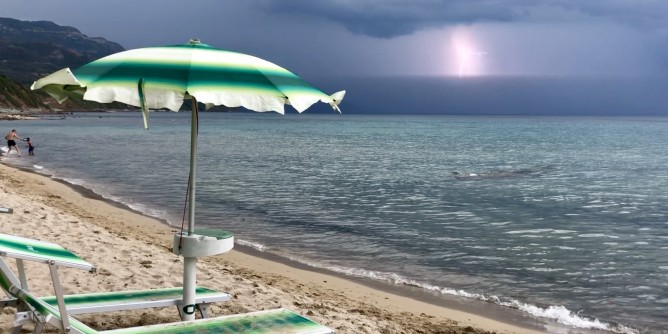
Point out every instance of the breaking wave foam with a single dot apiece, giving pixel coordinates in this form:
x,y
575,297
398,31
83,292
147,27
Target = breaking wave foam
x,y
557,313
251,244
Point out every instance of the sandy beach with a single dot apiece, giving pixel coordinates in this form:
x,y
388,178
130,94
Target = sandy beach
x,y
133,251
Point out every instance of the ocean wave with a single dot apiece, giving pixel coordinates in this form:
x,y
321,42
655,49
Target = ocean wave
x,y
501,173
255,245
564,316
557,313
530,231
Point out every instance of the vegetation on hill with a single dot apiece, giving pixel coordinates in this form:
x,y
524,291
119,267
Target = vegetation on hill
x,y
30,50
15,96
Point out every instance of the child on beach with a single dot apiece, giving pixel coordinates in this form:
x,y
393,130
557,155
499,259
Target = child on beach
x,y
31,148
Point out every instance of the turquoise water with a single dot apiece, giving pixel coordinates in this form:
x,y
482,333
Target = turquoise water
x,y
561,218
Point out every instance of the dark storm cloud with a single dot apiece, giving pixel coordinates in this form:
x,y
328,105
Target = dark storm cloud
x,y
642,13
390,37
392,18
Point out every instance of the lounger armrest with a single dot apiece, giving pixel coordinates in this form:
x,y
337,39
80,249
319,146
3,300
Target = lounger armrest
x,y
134,299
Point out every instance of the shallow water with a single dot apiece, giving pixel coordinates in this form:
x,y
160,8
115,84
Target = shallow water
x,y
563,218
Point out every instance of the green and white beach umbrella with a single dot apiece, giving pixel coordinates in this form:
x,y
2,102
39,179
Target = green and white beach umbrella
x,y
161,78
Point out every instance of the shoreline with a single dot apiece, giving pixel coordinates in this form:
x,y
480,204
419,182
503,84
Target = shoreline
x,y
488,310
454,303
373,306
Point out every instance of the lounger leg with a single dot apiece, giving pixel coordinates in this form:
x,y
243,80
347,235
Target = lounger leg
x,y
20,319
203,310
22,274
38,328
59,296
23,318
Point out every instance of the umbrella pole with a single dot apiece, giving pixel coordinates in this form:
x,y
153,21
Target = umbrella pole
x,y
193,155
190,263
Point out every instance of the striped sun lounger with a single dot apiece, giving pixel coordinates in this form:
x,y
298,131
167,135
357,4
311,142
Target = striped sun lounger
x,y
57,310
261,322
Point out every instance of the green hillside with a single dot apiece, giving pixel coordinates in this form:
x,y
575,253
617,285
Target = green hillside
x,y
30,50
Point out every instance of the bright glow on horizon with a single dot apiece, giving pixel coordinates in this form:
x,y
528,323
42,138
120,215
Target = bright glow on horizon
x,y
466,57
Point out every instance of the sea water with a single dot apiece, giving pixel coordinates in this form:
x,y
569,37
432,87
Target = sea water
x,y
561,218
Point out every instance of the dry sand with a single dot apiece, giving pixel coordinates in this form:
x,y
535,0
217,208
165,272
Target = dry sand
x,y
132,251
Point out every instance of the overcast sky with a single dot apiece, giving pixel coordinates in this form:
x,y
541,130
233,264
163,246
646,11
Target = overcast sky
x,y
390,37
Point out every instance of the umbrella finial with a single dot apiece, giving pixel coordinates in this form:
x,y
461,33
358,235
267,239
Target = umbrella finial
x,y
194,41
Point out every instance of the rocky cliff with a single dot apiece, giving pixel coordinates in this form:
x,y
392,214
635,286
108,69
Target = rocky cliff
x,y
29,50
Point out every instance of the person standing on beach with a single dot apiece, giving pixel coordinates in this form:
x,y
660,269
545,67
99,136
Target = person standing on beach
x,y
11,142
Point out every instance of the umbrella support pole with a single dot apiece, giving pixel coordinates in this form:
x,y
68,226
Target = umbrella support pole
x,y
191,245
190,263
189,280
194,129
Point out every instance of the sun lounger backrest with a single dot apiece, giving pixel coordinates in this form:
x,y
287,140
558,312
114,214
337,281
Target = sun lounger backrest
x,y
40,251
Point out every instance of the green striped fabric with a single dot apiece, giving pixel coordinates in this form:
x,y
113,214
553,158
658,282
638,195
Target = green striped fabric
x,y
161,77
34,250
262,322
91,299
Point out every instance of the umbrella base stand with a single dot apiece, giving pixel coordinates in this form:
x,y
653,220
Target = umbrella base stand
x,y
197,245
191,247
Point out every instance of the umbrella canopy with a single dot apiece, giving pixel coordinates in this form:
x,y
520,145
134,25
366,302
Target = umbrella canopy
x,y
162,77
